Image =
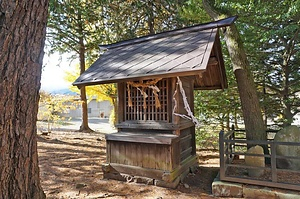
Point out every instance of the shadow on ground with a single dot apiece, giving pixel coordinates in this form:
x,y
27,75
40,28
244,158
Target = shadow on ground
x,y
70,167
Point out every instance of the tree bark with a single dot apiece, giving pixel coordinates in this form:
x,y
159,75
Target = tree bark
x,y
84,123
253,119
22,36
150,21
285,93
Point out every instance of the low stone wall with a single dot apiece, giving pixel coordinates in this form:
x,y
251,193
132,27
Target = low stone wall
x,y
237,190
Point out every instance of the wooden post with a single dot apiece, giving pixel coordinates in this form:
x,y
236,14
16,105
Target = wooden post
x,y
222,161
121,102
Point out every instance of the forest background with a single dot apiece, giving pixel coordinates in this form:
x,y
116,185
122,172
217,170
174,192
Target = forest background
x,y
269,31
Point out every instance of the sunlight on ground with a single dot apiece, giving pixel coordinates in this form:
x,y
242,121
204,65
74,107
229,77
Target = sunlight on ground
x,y
71,167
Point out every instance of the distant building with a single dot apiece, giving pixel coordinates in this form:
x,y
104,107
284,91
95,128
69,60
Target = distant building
x,y
71,106
96,108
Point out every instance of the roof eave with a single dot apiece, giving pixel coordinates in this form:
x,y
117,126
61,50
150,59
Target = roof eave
x,y
139,77
166,74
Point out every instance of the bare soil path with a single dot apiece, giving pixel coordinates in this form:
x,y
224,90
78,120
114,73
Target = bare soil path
x,y
70,167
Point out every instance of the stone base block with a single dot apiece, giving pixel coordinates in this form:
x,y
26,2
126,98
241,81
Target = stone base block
x,y
256,192
225,189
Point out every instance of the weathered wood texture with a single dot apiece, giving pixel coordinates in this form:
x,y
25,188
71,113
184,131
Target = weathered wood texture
x,y
153,125
146,155
152,141
165,56
144,108
183,52
152,137
151,154
161,177
214,76
121,102
185,144
22,35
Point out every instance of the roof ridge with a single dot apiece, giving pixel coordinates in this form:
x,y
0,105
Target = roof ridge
x,y
210,25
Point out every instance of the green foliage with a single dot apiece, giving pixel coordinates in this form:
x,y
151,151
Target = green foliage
x,y
218,107
103,22
192,12
270,34
75,27
221,108
78,27
272,39
134,18
71,22
269,30
207,136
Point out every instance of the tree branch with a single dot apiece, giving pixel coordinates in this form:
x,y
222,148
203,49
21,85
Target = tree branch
x,y
209,9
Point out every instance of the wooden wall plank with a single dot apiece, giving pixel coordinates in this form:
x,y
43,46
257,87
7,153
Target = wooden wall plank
x,y
152,157
108,152
114,152
157,153
145,137
133,155
112,149
161,157
185,142
139,154
193,140
145,152
168,164
175,154
186,154
122,154
164,157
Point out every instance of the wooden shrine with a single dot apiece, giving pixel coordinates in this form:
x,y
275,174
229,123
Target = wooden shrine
x,y
156,76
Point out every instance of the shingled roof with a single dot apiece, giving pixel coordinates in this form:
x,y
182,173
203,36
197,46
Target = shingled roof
x,y
192,51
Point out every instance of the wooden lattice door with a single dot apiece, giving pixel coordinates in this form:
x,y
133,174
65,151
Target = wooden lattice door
x,y
143,104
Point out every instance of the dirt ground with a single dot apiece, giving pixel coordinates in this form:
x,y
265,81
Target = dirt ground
x,y
70,167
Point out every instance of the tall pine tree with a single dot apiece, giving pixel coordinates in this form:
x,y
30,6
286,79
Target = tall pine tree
x,y
22,36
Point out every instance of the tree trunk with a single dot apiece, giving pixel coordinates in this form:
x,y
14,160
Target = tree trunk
x,y
85,123
254,124
227,121
22,36
84,127
150,20
287,111
286,73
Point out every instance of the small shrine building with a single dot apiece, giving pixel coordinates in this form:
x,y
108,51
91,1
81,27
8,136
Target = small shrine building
x,y
156,76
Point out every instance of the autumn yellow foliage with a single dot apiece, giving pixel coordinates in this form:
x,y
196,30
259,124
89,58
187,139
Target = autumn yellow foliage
x,y
100,92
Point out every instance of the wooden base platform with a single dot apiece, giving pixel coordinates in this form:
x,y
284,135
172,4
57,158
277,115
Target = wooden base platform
x,y
150,176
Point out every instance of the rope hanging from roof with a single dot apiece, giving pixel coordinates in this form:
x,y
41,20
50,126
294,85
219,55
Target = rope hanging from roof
x,y
141,86
190,115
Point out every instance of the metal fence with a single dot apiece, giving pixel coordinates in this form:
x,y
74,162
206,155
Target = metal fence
x,y
233,150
